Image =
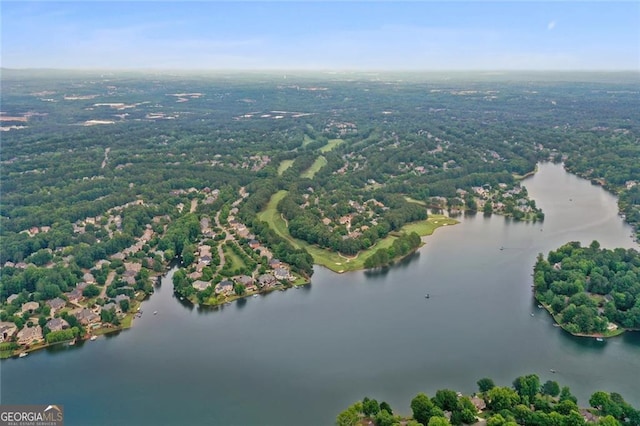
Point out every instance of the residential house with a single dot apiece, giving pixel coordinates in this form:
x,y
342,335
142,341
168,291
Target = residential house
x,y
28,335
30,307
206,259
57,324
110,306
266,281
119,298
254,244
479,403
281,274
86,317
275,263
56,304
74,295
224,287
248,282
88,278
201,285
7,329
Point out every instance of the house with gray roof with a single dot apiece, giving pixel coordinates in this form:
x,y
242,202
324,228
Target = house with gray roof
x,y
224,287
56,304
201,285
86,317
57,324
266,281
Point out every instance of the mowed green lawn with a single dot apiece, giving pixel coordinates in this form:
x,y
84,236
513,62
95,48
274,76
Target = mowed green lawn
x,y
330,145
307,140
333,260
315,168
235,261
284,165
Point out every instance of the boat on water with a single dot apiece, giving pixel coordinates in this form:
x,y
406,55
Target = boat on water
x,y
552,370
93,338
155,312
501,248
540,306
599,339
255,295
23,354
426,296
532,314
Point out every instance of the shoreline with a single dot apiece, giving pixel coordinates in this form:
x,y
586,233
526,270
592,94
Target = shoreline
x,y
614,333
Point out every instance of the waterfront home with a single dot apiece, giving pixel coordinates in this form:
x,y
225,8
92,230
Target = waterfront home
x,y
266,281
479,403
86,317
7,329
11,298
119,298
110,306
56,304
281,274
201,285
248,282
57,324
28,335
29,307
224,287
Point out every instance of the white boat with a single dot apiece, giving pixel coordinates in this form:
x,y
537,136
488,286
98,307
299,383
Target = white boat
x,y
155,312
93,338
599,339
255,295
23,354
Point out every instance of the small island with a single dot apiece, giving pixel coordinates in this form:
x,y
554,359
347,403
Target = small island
x,y
527,402
590,291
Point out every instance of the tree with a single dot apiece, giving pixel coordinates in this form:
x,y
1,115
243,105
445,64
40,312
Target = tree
x,y
446,399
485,384
90,291
348,417
502,398
550,388
421,407
438,421
385,406
566,395
124,305
370,407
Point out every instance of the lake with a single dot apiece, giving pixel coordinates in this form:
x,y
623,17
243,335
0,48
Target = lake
x,y
302,356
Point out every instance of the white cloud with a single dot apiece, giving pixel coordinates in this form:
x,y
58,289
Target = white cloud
x,y
551,25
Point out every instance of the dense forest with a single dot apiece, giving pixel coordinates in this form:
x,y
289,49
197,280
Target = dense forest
x,y
526,402
590,290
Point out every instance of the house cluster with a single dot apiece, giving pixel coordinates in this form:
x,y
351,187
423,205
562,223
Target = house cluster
x,y
33,332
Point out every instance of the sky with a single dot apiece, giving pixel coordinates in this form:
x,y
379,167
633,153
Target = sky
x,y
321,35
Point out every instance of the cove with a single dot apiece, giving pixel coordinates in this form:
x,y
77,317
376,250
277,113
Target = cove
x,y
302,356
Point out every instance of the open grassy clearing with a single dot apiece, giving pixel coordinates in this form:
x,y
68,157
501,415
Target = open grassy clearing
x,y
330,145
413,200
235,261
307,140
315,168
284,165
335,261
